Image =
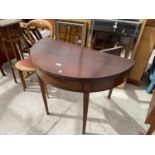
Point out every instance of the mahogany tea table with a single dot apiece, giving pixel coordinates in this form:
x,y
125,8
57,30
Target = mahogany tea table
x,y
78,69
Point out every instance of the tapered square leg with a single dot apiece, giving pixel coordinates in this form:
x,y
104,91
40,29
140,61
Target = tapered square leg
x,y
43,91
150,130
46,89
85,110
109,94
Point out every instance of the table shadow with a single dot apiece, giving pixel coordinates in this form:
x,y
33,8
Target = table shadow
x,y
122,123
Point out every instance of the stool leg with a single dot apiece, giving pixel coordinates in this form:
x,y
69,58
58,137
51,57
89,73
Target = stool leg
x,y
2,71
22,79
43,91
110,92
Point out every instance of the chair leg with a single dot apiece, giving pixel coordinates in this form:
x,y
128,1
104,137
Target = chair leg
x,y
2,71
110,92
28,74
22,79
13,73
85,110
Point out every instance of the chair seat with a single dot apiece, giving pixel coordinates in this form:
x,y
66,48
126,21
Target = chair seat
x,y
25,65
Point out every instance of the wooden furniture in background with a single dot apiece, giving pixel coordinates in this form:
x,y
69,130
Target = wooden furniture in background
x,y
143,22
143,51
72,31
150,119
78,69
3,58
12,35
106,33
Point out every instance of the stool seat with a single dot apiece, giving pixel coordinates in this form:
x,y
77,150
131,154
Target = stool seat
x,y
25,65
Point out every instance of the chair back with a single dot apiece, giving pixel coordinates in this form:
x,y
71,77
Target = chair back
x,y
33,29
31,35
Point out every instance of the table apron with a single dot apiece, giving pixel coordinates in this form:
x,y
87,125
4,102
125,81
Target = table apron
x,y
81,86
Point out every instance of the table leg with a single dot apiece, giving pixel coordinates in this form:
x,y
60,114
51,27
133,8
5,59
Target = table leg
x,y
46,89
150,130
43,91
85,110
110,92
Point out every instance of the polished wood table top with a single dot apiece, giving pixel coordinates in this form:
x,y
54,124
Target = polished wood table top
x,y
74,68
75,63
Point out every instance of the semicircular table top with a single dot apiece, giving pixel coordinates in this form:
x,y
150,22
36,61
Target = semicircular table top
x,y
75,68
71,61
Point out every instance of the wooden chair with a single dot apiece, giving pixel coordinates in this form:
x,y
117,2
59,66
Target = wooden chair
x,y
13,36
33,34
115,51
